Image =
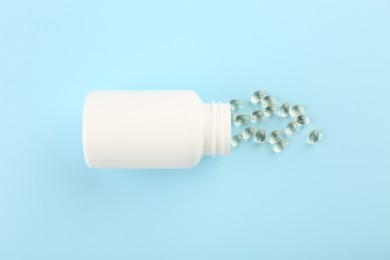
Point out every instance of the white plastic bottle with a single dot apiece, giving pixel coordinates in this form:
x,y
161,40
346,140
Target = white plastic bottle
x,y
153,129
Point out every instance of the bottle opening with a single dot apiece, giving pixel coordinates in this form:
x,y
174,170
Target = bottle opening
x,y
217,129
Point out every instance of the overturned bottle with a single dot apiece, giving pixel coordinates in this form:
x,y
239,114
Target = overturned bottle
x,y
153,129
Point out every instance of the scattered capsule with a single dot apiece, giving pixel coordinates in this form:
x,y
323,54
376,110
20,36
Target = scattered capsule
x,y
296,110
302,119
257,115
257,97
284,109
235,104
291,128
268,100
314,137
260,136
248,132
279,146
241,119
236,140
275,136
269,110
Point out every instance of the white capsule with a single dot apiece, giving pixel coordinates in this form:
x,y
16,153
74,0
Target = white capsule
x,y
260,136
257,115
275,136
314,137
291,128
248,132
279,146
284,110
257,97
236,140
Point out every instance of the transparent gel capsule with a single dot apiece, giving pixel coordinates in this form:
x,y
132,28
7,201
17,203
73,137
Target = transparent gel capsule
x,y
248,132
284,110
260,136
275,136
241,119
257,97
236,140
314,137
268,100
302,119
235,104
257,115
269,110
296,110
291,128
279,146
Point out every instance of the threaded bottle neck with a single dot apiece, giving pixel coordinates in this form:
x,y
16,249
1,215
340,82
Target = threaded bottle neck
x,y
217,129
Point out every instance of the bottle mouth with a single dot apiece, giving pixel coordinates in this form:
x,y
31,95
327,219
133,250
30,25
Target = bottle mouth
x,y
217,129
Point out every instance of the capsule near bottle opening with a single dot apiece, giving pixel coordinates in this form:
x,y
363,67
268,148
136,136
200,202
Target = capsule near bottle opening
x,y
153,129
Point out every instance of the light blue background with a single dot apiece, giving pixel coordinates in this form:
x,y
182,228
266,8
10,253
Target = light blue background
x,y
330,201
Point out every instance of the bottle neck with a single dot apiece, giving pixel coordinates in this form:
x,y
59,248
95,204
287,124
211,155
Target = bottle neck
x,y
217,129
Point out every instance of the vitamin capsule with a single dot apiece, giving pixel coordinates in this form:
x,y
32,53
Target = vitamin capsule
x,y
235,104
268,101
302,119
275,136
279,146
291,128
260,136
248,132
236,140
257,115
257,97
314,137
269,110
296,110
241,119
284,110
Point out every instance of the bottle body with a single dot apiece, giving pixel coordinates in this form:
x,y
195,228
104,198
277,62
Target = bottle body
x,y
152,129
